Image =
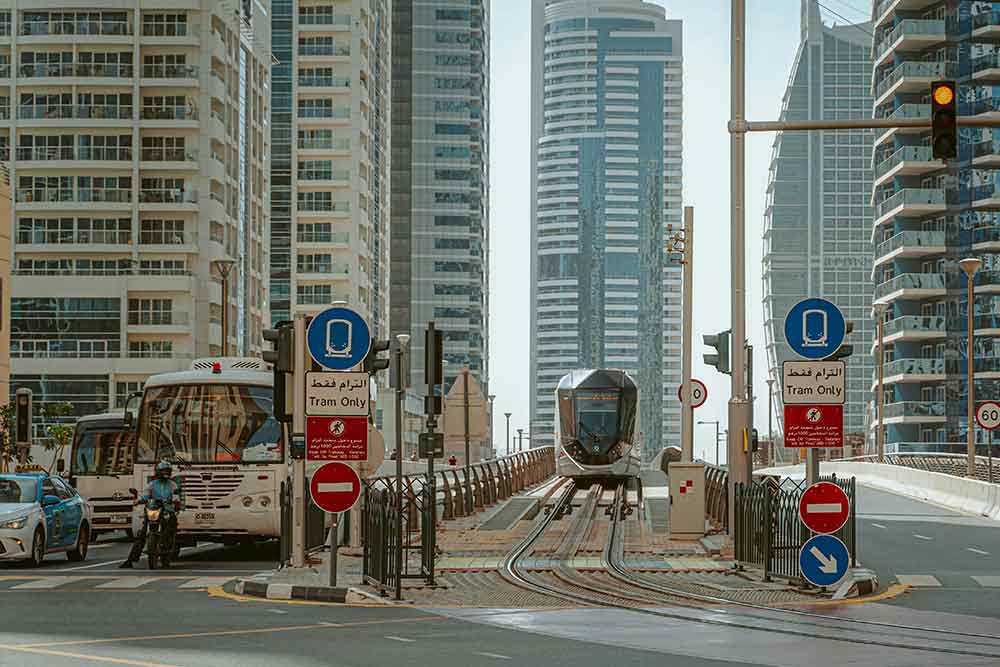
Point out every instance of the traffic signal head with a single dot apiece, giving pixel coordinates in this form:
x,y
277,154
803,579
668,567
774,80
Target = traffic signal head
x,y
373,363
22,417
283,354
944,120
720,342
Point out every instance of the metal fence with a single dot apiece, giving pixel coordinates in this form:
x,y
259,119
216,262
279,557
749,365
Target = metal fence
x,y
315,523
717,495
768,531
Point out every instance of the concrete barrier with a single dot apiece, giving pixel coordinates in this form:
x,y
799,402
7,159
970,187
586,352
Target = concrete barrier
x,y
958,493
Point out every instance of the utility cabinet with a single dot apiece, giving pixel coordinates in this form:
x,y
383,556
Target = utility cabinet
x,y
687,500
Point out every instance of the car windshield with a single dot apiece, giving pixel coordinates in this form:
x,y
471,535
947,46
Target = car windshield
x,y
18,490
208,423
102,448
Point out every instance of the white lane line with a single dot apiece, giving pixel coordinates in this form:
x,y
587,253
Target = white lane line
x,y
89,567
922,537
126,582
878,525
277,611
205,582
48,582
978,551
399,639
918,580
498,656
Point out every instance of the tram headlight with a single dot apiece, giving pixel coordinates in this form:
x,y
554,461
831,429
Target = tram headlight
x,y
247,501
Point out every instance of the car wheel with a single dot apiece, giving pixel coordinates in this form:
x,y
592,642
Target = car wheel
x,y
37,548
79,552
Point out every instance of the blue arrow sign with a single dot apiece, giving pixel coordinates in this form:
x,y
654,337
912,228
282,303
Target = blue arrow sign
x,y
815,328
824,560
338,338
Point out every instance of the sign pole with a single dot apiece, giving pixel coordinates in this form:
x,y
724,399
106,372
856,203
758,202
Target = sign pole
x,y
989,457
298,431
399,468
334,545
469,504
687,412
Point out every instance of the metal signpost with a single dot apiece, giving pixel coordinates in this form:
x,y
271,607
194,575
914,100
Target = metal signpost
x,y
988,417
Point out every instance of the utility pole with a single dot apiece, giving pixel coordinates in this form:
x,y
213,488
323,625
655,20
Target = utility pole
x,y
224,266
971,266
687,412
507,415
468,464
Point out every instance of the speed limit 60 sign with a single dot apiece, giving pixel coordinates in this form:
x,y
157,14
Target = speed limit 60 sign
x,y
988,415
699,393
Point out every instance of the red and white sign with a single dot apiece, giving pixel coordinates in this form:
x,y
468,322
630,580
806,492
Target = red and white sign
x,y
337,438
814,426
699,393
335,487
988,415
824,507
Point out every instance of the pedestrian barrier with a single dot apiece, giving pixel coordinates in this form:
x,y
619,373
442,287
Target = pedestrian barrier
x,y
315,523
717,495
768,532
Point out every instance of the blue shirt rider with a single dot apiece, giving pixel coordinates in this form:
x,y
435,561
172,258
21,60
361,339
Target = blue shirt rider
x,y
168,495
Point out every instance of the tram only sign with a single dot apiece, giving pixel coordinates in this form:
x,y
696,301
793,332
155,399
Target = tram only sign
x,y
812,382
824,507
814,426
335,487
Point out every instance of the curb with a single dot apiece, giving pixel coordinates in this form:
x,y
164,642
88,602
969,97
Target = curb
x,y
290,592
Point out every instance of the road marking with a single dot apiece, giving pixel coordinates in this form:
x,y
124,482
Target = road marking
x,y
823,508
127,582
988,581
206,582
277,611
86,656
399,639
88,567
878,525
978,551
49,582
498,656
922,537
918,580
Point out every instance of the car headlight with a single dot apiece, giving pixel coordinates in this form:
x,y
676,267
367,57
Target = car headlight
x,y
15,524
247,501
265,501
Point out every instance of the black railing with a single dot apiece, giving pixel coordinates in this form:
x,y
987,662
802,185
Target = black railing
x,y
315,523
768,531
381,563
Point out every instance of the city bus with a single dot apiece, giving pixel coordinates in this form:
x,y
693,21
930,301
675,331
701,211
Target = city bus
x,y
215,424
100,468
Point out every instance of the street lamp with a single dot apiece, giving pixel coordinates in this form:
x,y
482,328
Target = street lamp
x,y
223,267
971,266
880,310
507,415
716,422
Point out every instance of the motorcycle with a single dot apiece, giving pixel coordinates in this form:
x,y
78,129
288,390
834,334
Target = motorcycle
x,y
161,534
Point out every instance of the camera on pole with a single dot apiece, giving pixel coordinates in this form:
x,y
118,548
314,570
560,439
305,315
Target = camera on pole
x,y
720,342
282,360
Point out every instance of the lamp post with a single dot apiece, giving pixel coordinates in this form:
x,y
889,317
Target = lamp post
x,y
971,266
770,424
716,422
880,310
520,439
223,267
507,415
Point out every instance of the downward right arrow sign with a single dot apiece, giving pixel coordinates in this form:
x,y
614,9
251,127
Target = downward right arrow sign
x,y
824,560
827,564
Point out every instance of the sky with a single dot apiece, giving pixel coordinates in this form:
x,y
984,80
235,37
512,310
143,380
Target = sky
x,y
772,40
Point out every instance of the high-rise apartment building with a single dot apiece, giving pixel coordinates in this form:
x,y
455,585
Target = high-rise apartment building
x,y
606,182
817,216
138,143
5,254
330,161
440,181
929,215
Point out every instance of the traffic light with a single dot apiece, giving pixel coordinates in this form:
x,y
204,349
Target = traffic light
x,y
754,440
282,360
22,417
720,342
433,368
374,363
944,121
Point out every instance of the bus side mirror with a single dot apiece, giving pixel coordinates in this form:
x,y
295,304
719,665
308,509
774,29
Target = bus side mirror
x,y
131,410
127,421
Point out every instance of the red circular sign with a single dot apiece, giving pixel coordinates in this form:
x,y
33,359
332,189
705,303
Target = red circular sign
x,y
335,487
824,507
988,415
699,393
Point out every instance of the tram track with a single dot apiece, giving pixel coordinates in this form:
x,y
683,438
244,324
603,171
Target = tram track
x,y
629,590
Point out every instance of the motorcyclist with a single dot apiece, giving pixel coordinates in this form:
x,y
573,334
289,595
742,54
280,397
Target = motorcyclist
x,y
169,495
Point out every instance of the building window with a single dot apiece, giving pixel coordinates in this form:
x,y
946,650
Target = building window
x,y
150,311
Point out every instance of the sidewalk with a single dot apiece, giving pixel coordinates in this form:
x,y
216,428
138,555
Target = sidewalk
x,y
312,582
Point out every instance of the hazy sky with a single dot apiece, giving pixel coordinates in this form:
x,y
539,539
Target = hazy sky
x,y
772,39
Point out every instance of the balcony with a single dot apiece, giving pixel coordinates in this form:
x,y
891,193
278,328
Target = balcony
x,y
71,238
157,319
322,271
913,328
76,27
167,113
76,111
985,67
911,286
170,240
170,75
986,25
986,239
325,238
908,35
913,412
983,325
910,202
105,195
57,153
908,77
910,244
883,9
340,83
985,196
903,111
907,161
324,50
169,155
911,370
167,196
986,154
307,21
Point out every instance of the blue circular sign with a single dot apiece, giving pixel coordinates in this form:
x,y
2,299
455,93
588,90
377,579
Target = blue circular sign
x,y
815,328
824,560
338,338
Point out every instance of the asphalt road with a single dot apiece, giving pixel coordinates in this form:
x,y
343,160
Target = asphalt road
x,y
951,560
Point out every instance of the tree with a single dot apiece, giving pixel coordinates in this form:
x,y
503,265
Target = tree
x,y
8,452
58,435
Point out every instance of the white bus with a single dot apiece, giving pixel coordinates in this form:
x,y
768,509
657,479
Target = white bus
x,y
100,468
215,424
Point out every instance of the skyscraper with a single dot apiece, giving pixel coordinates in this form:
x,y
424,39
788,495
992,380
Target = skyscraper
x,y
330,167
139,150
440,181
929,215
606,182
817,235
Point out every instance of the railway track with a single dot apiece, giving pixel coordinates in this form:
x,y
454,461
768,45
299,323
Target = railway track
x,y
619,587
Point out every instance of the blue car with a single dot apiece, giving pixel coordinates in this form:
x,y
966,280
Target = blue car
x,y
41,514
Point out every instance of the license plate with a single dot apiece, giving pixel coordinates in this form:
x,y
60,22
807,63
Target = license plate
x,y
204,517
121,518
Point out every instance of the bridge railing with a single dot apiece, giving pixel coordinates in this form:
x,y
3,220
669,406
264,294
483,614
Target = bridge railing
x,y
946,463
717,495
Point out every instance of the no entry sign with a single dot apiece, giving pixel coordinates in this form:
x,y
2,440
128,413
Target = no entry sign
x,y
814,426
824,507
335,487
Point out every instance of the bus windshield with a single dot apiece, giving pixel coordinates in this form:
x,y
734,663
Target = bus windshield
x,y
102,448
208,423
